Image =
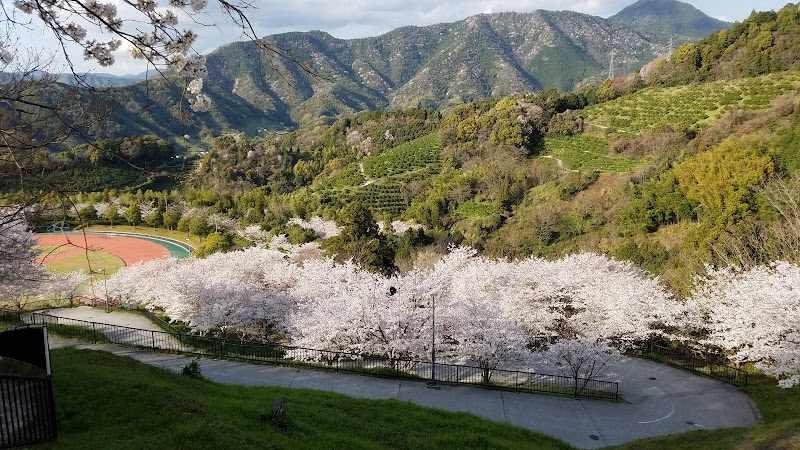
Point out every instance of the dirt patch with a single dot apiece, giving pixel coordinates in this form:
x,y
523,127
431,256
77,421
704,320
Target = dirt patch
x,y
130,250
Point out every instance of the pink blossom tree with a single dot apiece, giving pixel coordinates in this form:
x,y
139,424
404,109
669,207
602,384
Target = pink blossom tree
x,y
20,276
488,312
754,315
583,359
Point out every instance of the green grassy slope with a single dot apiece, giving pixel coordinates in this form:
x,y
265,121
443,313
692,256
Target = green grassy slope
x,y
107,401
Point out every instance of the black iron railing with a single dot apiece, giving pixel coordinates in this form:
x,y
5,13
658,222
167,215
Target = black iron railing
x,y
27,410
700,363
160,323
455,374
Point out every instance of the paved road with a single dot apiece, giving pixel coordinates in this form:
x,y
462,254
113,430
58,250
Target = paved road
x,y
138,334
660,400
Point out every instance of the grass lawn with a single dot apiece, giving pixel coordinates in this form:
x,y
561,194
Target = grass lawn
x,y
98,259
108,401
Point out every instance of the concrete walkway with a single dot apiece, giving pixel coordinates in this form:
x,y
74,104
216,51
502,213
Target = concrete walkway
x,y
138,332
660,400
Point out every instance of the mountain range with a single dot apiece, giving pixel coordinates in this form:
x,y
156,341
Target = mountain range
x,y
105,79
437,66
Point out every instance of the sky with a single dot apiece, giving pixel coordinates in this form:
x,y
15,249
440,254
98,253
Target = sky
x,y
361,18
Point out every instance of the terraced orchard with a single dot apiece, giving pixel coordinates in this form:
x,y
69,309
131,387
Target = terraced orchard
x,y
384,176
405,159
693,107
586,154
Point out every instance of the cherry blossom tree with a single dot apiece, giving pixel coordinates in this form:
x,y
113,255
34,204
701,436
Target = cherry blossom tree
x,y
222,223
589,294
583,359
754,315
472,298
229,292
68,286
360,312
481,333
20,276
400,227
324,228
488,312
254,234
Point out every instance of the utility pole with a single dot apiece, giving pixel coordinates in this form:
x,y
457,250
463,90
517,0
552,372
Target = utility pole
x,y
611,66
671,46
105,285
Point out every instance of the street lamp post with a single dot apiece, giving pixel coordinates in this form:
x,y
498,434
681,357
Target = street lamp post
x,y
105,286
433,384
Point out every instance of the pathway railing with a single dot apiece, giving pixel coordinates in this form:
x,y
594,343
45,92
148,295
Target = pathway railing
x,y
160,323
697,363
455,374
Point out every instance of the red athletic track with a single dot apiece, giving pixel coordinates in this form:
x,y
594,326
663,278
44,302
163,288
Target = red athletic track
x,y
131,250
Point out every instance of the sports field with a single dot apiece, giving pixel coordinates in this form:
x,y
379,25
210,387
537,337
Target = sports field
x,y
67,252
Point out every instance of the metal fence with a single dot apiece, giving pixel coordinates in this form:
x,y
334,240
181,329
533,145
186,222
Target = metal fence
x,y
34,305
27,410
696,362
161,323
455,374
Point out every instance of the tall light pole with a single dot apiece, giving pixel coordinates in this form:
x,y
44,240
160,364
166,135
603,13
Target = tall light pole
x,y
433,383
105,285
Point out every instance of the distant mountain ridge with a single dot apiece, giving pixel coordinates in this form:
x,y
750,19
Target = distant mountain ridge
x,y
104,79
437,66
671,18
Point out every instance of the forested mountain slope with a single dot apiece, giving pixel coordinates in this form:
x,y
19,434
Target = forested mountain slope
x,y
679,19
438,66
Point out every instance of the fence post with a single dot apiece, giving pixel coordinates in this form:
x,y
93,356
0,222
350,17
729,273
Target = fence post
x,y
153,339
94,333
516,381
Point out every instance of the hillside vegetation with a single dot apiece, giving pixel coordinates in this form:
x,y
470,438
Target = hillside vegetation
x,y
691,107
667,174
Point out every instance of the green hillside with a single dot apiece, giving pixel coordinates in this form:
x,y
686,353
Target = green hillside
x,y
587,154
691,107
667,173
386,174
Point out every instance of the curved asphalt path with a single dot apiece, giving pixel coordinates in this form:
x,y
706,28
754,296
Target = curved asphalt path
x,y
660,400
